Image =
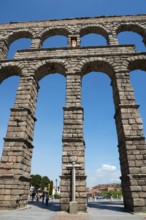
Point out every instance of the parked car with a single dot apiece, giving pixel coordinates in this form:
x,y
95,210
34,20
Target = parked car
x,y
99,197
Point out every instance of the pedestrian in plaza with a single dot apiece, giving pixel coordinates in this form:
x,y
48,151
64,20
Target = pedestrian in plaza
x,y
43,197
33,195
47,199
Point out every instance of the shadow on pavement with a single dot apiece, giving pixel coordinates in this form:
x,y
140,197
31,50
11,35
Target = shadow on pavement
x,y
108,205
52,206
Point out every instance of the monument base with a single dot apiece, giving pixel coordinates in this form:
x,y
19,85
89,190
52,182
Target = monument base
x,y
73,207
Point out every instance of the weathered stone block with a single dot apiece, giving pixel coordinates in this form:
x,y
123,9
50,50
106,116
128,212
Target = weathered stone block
x,y
136,188
73,207
138,202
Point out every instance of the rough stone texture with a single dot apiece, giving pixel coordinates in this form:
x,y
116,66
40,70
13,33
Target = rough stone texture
x,y
73,207
73,62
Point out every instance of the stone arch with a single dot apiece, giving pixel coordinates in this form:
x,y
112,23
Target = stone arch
x,y
52,32
94,30
137,63
17,35
9,70
137,28
46,68
98,66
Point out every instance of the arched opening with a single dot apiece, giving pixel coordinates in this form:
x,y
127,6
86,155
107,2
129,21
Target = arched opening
x,y
94,36
93,40
8,89
46,159
102,160
55,41
128,37
19,44
132,34
138,81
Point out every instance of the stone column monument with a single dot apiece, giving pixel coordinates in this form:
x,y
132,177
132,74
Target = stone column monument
x,y
73,207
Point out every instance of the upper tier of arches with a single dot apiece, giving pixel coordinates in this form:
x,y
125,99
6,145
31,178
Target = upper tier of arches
x,y
107,31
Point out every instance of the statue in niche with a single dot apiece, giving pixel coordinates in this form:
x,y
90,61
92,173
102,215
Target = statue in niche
x,y
73,42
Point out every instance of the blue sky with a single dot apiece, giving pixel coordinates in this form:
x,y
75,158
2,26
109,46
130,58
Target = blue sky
x,y
102,159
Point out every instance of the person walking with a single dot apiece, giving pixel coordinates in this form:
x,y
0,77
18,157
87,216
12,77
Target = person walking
x,y
43,197
47,199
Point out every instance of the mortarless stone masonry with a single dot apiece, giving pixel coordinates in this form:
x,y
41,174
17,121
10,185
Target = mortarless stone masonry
x,y
73,62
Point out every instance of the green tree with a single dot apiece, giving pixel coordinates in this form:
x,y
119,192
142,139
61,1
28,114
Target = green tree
x,y
45,182
35,181
115,193
104,194
51,188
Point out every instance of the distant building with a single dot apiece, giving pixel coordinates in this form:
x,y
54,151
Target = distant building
x,y
56,190
98,189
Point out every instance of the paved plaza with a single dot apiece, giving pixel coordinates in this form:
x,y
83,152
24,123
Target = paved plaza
x,y
98,210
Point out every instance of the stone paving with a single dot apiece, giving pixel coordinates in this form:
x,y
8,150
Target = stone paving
x,y
99,210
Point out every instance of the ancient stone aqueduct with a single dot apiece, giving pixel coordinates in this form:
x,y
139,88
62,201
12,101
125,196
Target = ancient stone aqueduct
x,y
73,62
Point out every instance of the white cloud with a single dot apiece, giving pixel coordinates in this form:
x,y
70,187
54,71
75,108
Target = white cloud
x,y
105,169
108,174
